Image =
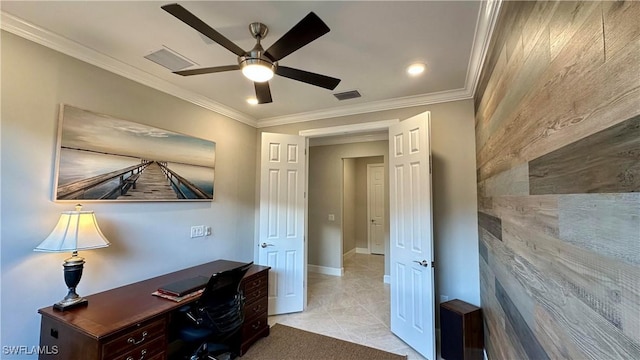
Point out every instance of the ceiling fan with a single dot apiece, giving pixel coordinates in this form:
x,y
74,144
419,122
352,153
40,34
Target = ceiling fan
x,y
257,64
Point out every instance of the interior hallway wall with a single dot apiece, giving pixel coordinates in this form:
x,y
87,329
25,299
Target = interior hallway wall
x,y
349,205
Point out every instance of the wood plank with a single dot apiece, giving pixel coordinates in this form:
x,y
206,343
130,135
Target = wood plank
x,y
610,288
606,224
605,162
522,331
539,213
556,342
490,223
522,78
621,26
567,20
514,181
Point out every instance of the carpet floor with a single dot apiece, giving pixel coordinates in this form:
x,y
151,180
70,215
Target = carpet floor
x,y
288,343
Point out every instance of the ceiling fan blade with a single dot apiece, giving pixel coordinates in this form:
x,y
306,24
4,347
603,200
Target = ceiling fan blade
x,y
263,92
207,70
304,32
188,18
323,81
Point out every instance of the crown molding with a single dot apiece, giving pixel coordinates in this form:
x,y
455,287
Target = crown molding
x,y
61,44
368,107
487,17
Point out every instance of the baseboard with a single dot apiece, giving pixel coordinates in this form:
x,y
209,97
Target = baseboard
x,y
326,270
349,254
386,279
363,251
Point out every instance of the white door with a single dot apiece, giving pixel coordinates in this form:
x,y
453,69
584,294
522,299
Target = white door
x,y
282,213
375,207
411,248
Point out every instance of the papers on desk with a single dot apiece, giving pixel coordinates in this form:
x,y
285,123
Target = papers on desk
x,y
178,298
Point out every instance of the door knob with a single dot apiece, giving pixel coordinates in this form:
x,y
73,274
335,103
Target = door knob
x,y
264,245
424,263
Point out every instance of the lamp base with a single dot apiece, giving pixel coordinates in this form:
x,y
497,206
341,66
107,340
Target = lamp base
x,y
72,274
66,304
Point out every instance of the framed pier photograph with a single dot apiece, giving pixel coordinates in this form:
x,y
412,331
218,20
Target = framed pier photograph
x,y
103,158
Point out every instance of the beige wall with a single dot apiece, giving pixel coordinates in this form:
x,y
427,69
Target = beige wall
x,y
147,239
558,149
349,205
454,190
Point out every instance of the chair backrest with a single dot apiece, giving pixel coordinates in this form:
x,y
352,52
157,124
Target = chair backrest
x,y
221,304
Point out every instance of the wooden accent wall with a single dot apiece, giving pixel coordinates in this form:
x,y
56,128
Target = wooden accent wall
x,y
558,164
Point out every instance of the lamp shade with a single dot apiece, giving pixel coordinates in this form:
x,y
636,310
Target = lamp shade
x,y
76,230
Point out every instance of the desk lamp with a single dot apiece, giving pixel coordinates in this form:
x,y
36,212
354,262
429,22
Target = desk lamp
x,y
76,230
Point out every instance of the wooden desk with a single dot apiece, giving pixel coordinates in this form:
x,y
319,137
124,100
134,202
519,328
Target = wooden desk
x,y
130,323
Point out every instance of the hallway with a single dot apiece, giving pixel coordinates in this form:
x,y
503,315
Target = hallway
x,y
354,307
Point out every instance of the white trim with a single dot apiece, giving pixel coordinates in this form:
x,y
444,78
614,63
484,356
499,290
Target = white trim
x,y
369,107
59,43
325,270
485,354
487,17
349,254
349,129
386,279
329,140
363,251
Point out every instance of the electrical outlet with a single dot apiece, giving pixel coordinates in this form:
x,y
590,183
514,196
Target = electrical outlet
x,y
197,231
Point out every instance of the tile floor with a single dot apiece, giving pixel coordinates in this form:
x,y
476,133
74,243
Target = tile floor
x,y
354,307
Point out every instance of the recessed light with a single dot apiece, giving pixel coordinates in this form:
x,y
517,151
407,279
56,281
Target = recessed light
x,y
252,101
415,69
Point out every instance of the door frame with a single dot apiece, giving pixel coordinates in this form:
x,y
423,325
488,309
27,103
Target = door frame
x,y
352,129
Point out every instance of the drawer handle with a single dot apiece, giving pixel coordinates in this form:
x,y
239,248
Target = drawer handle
x,y
257,308
134,342
256,326
142,354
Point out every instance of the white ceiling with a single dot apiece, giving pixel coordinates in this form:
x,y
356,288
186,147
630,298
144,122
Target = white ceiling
x,y
369,47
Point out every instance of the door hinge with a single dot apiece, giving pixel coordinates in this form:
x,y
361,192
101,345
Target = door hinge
x,y
433,264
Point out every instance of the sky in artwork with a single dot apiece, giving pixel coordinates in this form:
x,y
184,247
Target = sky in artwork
x,y
87,130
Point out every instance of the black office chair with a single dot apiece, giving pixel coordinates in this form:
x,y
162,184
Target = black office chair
x,y
216,317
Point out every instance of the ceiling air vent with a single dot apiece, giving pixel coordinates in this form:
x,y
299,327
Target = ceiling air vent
x,y
169,59
352,94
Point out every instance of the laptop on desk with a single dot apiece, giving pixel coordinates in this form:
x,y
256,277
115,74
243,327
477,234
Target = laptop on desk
x,y
185,286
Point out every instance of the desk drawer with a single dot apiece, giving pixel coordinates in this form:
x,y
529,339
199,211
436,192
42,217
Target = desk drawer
x,y
255,326
258,280
255,293
136,338
145,352
254,309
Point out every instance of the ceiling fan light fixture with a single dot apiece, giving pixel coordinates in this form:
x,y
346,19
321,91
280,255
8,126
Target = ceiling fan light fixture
x,y
257,70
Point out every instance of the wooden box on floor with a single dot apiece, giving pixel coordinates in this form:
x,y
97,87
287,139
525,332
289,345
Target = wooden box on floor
x,y
461,336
